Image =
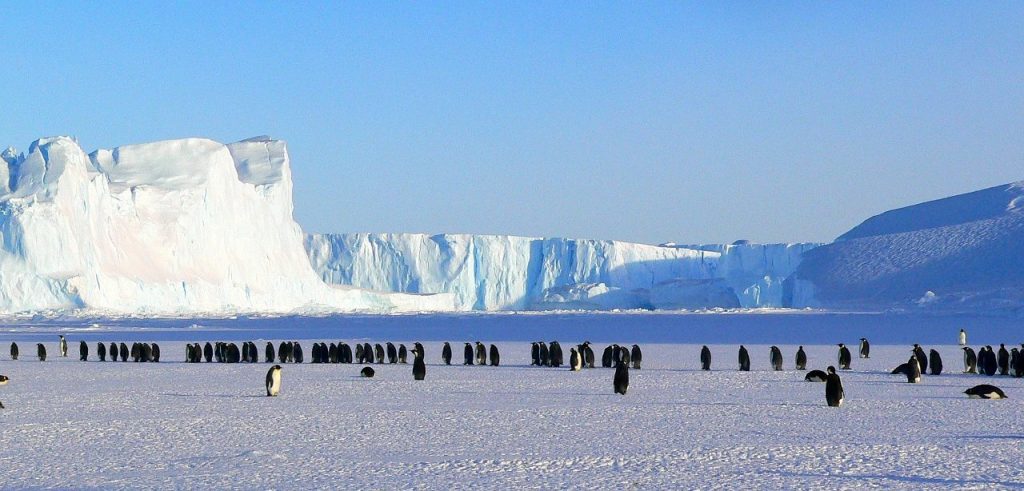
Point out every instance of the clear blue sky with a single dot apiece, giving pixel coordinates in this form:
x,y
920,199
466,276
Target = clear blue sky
x,y
649,122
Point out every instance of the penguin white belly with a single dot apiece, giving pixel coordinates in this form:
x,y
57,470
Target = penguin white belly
x,y
275,383
993,395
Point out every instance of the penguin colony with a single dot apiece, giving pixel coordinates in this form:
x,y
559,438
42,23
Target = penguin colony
x,y
986,360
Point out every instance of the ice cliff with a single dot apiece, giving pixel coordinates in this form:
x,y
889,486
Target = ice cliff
x,y
494,272
182,226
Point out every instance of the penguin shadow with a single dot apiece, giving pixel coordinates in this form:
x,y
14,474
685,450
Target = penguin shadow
x,y
903,479
219,396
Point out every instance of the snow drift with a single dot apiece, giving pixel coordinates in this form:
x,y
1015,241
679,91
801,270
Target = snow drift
x,y
183,226
495,272
963,252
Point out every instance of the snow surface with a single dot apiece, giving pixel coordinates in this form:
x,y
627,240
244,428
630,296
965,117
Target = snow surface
x,y
496,272
70,424
181,226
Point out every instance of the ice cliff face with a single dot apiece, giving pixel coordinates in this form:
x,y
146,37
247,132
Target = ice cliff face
x,y
962,253
492,272
183,226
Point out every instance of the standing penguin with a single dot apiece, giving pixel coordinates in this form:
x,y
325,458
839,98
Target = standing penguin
x,y
922,359
156,353
124,352
606,357
991,364
776,358
101,351
588,357
467,354
83,351
555,354
481,354
744,359
801,359
392,353
378,351
534,353
268,352
963,338
935,362
844,357
41,351
297,352
865,348
14,351
970,360
1004,360
637,356
274,381
3,381
63,347
542,351
621,381
494,356
705,358
446,353
419,368
575,362
403,354
834,394
913,370
113,352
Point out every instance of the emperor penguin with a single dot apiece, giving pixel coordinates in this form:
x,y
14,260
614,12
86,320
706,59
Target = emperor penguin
x,y
494,356
14,351
274,381
419,368
268,352
63,347
844,357
606,357
555,353
446,353
418,347
481,354
83,351
359,353
985,391
990,361
366,372
913,371
156,353
744,359
970,360
403,354
705,358
467,354
392,353
575,363
776,358
903,368
378,353
637,356
588,357
801,359
534,353
935,362
41,351
124,352
865,348
3,381
1004,360
816,376
621,381
208,352
367,353
624,357
922,359
297,352
834,394
963,338
101,351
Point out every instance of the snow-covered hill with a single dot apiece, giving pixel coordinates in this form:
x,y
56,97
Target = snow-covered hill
x,y
963,252
181,226
494,272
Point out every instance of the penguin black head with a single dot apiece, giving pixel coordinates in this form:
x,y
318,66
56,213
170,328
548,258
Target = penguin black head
x,y
840,345
4,379
831,370
863,339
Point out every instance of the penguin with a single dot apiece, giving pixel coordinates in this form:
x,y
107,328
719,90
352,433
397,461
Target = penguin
x,y
3,381
776,358
403,354
844,357
419,368
555,353
367,353
245,352
234,355
136,352
274,381
156,352
621,381
101,351
922,359
297,352
903,368
446,353
392,353
616,355
366,372
124,352
963,338
816,376
624,355
991,365
801,359
481,354
208,352
575,363
1014,355
637,356
970,360
1020,364
467,353
1004,360
985,391
41,351
63,347
494,356
268,353
588,358
360,357
378,353
744,359
83,351
606,357
14,351
113,352
865,348
913,371
534,354
705,358
935,362
834,394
